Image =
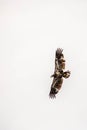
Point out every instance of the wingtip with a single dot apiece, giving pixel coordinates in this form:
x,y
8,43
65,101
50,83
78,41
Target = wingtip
x,y
59,51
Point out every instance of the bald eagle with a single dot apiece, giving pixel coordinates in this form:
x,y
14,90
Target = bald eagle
x,y
59,73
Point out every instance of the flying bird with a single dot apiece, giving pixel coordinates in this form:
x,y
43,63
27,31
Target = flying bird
x,y
59,73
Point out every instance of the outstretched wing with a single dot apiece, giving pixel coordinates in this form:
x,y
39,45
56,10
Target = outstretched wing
x,y
59,59
59,62
57,76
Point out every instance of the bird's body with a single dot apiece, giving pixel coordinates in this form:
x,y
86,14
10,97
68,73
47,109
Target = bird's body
x,y
58,73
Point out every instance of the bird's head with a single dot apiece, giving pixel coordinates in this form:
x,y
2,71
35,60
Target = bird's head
x,y
66,74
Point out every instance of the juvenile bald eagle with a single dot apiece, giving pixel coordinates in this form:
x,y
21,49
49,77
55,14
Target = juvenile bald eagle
x,y
59,73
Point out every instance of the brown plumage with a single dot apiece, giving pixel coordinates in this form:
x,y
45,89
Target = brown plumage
x,y
59,73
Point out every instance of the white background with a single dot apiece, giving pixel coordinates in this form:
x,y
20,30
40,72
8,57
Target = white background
x,y
30,32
